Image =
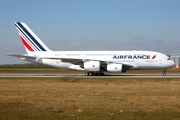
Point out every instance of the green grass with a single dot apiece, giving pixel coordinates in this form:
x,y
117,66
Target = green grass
x,y
22,111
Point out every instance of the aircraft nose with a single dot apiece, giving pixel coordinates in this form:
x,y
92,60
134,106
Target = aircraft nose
x,y
171,63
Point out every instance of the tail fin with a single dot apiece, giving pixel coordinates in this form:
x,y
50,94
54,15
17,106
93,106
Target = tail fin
x,y
29,39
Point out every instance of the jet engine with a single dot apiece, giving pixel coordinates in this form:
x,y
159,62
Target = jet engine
x,y
92,65
114,67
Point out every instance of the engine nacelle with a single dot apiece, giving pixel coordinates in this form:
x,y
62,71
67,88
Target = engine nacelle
x,y
92,65
114,67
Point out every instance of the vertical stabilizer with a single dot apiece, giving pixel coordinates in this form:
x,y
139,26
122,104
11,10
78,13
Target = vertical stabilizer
x,y
30,40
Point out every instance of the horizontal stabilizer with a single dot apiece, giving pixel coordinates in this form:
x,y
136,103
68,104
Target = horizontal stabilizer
x,y
21,56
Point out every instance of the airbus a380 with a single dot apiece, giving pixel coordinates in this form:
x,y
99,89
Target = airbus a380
x,y
93,62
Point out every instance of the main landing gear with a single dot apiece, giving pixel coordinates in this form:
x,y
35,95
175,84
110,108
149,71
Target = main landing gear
x,y
94,74
164,73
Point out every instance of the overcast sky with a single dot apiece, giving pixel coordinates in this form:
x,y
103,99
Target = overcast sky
x,y
92,25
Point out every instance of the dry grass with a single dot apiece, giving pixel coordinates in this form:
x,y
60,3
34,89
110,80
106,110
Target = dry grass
x,y
70,94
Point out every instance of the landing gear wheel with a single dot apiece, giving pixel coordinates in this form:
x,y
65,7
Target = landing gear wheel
x,y
91,73
87,74
94,74
164,73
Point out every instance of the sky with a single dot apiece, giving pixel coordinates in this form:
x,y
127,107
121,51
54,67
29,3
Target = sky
x,y
75,25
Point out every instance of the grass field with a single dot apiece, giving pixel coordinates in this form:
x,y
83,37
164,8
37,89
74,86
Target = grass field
x,y
89,98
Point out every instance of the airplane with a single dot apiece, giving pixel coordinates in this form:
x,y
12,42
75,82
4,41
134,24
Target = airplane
x,y
92,62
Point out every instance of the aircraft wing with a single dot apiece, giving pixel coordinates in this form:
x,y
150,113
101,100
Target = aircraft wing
x,y
103,62
72,60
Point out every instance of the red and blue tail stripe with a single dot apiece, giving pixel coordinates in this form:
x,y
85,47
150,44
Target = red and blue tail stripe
x,y
29,39
26,44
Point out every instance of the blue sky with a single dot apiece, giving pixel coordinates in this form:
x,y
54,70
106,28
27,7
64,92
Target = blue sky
x,y
92,25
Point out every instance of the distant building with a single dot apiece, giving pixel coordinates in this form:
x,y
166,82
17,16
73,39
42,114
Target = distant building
x,y
176,58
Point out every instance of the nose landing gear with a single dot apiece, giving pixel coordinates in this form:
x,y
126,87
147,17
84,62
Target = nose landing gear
x,y
164,73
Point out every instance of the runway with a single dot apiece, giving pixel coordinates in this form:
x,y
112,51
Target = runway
x,y
83,76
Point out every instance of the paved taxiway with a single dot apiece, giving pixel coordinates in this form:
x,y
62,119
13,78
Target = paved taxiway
x,y
105,76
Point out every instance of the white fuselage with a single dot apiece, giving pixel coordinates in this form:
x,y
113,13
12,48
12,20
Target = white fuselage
x,y
139,60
